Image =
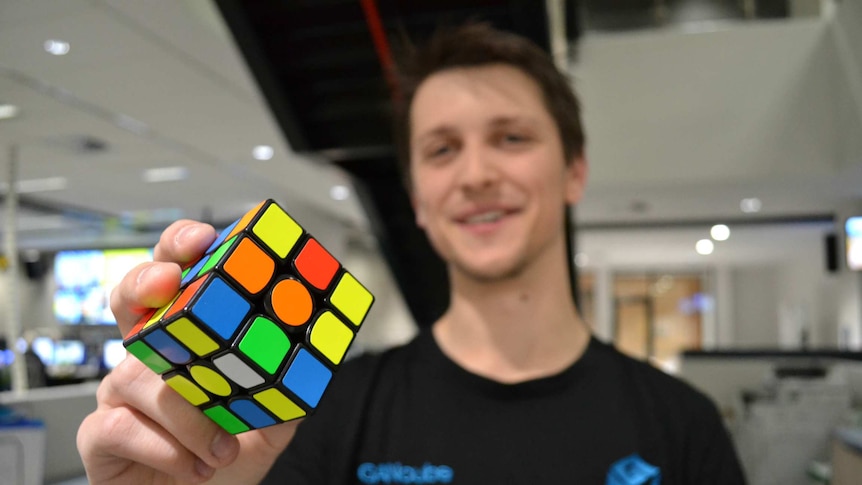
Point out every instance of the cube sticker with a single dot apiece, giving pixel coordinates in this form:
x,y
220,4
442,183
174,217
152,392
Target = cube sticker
x,y
261,323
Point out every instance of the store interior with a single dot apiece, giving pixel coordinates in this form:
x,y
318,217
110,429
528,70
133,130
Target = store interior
x,y
716,238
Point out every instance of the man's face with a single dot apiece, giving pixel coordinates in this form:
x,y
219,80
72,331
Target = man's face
x,y
488,174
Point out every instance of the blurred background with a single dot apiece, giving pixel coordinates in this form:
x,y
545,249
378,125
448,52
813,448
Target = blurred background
x,y
716,239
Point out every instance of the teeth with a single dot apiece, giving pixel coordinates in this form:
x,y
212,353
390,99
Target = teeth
x,y
492,216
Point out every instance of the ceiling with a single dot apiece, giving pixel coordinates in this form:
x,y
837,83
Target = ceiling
x,y
682,122
159,87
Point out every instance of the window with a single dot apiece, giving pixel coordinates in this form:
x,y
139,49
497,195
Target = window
x,y
657,316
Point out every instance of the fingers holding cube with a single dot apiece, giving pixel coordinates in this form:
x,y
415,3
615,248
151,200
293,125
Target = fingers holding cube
x,y
261,323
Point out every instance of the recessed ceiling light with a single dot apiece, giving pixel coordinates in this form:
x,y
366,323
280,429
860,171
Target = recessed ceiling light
x,y
704,247
57,47
32,255
750,205
339,192
36,185
128,123
8,111
720,232
165,174
262,152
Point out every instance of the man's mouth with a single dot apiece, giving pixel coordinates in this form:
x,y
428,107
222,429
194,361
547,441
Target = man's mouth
x,y
485,217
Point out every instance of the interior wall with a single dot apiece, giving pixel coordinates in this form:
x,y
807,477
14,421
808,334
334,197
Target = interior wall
x,y
755,296
847,36
805,291
762,305
35,297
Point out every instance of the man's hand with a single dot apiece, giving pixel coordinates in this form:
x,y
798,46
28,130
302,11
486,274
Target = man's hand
x,y
144,432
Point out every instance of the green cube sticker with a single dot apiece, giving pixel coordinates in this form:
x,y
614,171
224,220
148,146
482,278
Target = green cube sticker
x,y
265,344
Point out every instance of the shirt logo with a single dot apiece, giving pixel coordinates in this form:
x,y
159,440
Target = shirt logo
x,y
396,473
633,470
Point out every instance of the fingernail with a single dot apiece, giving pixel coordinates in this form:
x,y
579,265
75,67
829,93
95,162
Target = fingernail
x,y
203,470
143,273
223,446
185,233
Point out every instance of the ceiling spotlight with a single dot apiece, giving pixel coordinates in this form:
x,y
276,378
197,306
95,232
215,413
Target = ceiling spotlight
x,y
165,174
750,205
262,152
704,247
31,255
47,184
8,111
720,232
57,47
339,192
128,123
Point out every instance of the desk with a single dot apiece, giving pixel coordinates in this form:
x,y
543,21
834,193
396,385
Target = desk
x,y
847,456
61,408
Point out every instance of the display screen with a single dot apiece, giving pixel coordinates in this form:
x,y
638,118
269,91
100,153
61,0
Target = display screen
x,y
69,352
853,232
113,353
44,348
84,280
60,352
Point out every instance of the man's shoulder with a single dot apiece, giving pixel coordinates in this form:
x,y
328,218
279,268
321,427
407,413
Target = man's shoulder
x,y
654,384
359,371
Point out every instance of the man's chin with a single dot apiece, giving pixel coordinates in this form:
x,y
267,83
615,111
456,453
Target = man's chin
x,y
488,273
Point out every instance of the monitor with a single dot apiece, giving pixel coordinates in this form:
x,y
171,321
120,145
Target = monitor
x,y
84,281
853,245
44,348
69,353
113,353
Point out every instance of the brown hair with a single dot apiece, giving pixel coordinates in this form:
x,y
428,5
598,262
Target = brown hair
x,y
478,44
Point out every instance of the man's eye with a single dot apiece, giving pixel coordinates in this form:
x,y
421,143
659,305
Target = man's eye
x,y
513,138
438,151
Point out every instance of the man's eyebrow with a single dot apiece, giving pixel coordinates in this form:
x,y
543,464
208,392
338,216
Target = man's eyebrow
x,y
511,120
496,122
438,131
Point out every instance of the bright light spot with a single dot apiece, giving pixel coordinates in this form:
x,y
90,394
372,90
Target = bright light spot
x,y
720,232
750,205
581,260
339,192
165,174
662,285
262,152
128,123
704,247
31,255
41,185
57,47
7,357
8,111
36,185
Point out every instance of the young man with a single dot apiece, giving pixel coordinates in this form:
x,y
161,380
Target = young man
x,y
508,386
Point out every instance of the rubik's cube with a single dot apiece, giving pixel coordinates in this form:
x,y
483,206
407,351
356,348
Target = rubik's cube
x,y
261,323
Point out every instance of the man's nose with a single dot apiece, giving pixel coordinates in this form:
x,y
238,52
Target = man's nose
x,y
478,170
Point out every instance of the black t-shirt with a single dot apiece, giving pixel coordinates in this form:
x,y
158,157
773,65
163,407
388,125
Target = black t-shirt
x,y
411,415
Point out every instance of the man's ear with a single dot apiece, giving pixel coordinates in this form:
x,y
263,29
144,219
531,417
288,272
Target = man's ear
x,y
418,211
576,178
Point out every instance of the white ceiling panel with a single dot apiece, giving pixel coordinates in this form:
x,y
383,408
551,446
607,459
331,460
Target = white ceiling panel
x,y
95,40
679,125
721,105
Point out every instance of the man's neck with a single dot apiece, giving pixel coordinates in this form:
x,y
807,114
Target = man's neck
x,y
514,329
